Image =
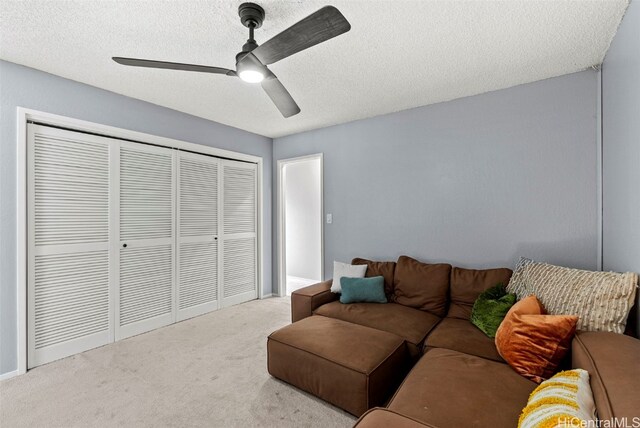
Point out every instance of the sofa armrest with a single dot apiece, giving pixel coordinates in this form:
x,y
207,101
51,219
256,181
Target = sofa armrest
x,y
612,362
306,300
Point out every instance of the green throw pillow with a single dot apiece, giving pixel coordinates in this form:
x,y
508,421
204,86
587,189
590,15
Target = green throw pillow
x,y
356,290
490,308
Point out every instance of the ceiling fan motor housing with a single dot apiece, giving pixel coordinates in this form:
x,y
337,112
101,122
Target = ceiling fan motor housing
x,y
251,15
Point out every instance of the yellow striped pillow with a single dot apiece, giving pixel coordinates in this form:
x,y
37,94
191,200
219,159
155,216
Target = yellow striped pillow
x,y
563,401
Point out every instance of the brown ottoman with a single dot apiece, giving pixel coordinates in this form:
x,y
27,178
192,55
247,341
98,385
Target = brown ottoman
x,y
348,365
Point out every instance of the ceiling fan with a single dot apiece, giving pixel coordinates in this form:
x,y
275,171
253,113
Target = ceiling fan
x,y
252,61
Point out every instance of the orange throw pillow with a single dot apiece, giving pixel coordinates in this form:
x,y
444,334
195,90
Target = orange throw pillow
x,y
532,342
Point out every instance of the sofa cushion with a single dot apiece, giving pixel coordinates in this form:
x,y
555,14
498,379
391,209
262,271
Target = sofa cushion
x,y
422,286
612,362
384,269
451,389
467,284
461,335
384,418
410,324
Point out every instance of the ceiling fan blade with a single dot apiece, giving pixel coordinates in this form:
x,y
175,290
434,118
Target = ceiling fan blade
x,y
318,27
172,65
279,95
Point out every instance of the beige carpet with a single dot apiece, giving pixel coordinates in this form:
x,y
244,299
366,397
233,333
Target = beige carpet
x,y
208,371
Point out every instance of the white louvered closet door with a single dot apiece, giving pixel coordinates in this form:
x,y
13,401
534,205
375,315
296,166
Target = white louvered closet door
x,y
197,231
145,291
68,253
239,237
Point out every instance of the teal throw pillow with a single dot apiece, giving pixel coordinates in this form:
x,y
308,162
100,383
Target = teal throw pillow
x,y
490,308
358,290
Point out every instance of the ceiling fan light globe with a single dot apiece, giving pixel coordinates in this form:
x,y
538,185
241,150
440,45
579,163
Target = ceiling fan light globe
x,y
251,76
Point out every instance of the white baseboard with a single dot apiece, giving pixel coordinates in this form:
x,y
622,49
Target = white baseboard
x,y
266,296
8,375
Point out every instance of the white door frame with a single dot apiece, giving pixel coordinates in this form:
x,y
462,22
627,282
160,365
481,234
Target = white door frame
x,y
282,259
24,115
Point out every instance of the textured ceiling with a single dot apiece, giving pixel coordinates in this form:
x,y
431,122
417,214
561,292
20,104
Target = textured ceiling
x,y
398,54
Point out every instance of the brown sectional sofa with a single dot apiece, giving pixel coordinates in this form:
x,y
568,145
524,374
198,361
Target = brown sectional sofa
x,y
458,378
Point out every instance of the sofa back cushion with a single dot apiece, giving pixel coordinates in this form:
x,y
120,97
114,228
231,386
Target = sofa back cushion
x,y
383,269
422,286
467,284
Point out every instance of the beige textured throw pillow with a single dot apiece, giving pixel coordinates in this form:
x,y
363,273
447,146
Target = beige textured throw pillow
x,y
344,269
601,300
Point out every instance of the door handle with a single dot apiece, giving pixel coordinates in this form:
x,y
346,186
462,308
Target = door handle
x,y
124,245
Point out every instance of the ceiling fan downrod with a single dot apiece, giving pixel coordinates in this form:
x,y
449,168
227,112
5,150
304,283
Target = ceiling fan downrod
x,y
252,17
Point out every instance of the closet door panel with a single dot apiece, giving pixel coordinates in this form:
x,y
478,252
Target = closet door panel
x,y
145,283
198,279
68,289
239,238
145,292
239,198
146,192
240,269
197,286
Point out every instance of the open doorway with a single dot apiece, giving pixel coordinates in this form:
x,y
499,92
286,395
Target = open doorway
x,y
300,214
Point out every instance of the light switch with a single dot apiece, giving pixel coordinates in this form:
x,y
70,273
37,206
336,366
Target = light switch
x,y
329,218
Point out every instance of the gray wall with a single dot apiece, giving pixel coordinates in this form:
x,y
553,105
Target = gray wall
x,y
621,147
26,87
476,182
303,217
